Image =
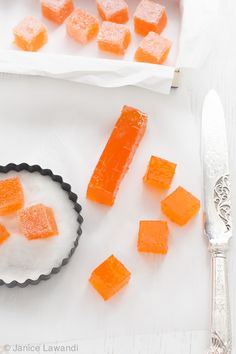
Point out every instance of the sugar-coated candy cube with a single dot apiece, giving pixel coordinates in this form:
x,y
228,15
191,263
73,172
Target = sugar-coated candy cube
x,y
159,173
4,234
113,10
180,206
149,16
109,277
114,38
30,34
11,196
117,156
37,221
82,26
153,236
153,49
57,10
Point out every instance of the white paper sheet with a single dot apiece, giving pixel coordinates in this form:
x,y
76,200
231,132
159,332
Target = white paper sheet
x,y
64,58
64,126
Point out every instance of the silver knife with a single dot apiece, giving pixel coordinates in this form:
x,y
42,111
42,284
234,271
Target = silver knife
x,y
217,218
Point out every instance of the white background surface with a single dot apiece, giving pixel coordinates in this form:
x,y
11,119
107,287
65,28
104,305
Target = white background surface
x,y
38,132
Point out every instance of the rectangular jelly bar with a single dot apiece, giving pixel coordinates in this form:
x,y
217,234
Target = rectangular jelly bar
x,y
117,156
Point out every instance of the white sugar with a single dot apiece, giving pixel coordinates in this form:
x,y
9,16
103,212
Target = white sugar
x,y
21,259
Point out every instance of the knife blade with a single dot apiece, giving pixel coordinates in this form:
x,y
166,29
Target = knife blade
x,y
217,217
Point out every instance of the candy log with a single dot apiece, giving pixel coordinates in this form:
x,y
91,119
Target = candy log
x,y
117,156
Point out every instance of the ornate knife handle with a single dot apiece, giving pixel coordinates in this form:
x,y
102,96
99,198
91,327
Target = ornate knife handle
x,y
221,338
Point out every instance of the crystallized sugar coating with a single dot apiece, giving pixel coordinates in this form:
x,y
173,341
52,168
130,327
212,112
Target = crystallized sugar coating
x,y
11,195
37,221
149,16
30,34
114,38
57,10
153,49
20,258
113,10
82,26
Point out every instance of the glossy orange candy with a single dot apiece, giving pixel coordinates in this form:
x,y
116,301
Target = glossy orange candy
x,y
153,236
11,196
109,277
30,34
180,206
114,38
153,49
37,222
57,10
113,10
149,16
117,156
159,173
82,26
4,234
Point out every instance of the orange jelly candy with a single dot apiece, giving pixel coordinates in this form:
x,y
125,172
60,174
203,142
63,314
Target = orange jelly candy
x,y
4,234
180,206
117,156
160,173
113,10
153,236
57,10
11,196
114,38
109,277
149,16
30,34
82,26
38,221
153,49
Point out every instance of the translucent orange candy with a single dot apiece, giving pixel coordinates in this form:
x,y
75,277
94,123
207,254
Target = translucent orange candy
x,y
180,206
57,10
30,34
114,38
109,277
113,10
4,234
159,173
153,49
38,221
117,156
11,196
149,16
153,236
82,26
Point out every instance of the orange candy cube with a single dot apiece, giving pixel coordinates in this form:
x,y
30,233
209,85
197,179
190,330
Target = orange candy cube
x,y
11,196
37,222
30,34
153,49
160,173
149,16
82,26
57,10
109,277
180,206
153,236
114,38
4,234
117,156
113,10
